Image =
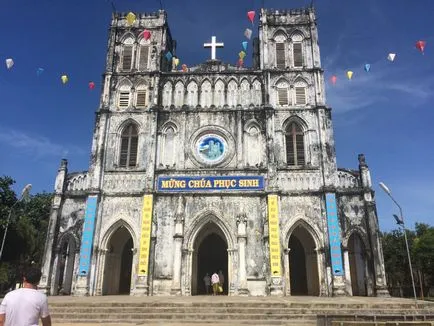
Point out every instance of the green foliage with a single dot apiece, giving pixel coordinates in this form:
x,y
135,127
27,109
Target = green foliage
x,y
421,245
25,239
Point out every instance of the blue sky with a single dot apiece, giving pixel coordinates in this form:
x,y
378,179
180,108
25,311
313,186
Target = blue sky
x,y
386,114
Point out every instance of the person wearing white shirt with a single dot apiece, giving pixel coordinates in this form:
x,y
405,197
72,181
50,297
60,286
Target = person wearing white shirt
x,y
26,305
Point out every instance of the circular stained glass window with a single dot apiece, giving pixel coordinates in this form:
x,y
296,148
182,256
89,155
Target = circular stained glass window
x,y
211,148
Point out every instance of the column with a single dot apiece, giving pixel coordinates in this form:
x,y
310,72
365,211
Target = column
x,y
242,241
188,253
232,277
47,259
177,254
287,265
373,229
348,286
100,273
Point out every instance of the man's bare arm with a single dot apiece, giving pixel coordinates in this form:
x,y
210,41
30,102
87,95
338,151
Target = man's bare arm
x,y
46,321
2,319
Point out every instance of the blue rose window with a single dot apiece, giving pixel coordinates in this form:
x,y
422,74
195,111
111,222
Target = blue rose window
x,y
211,148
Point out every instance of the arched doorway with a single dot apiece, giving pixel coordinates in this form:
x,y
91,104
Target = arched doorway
x,y
303,263
65,266
210,255
118,264
357,258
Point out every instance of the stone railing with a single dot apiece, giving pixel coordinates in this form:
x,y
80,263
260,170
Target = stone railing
x,y
76,182
347,179
124,183
299,181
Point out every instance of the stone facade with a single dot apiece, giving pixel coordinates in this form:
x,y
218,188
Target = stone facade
x,y
210,148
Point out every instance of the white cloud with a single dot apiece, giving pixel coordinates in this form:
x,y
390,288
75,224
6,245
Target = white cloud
x,y
384,84
36,145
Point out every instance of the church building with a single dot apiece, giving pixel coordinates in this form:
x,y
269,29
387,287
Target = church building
x,y
214,167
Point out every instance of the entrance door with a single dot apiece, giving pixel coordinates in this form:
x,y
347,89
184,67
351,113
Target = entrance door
x,y
211,256
303,263
356,253
65,267
118,264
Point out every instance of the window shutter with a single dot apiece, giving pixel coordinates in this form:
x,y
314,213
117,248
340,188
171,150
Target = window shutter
x,y
124,99
300,150
144,52
133,151
290,154
298,54
141,99
124,152
280,56
127,57
282,96
300,95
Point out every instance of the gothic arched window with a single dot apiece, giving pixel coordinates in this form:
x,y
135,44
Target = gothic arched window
x,y
300,88
143,55
283,97
280,50
124,95
141,96
294,138
127,54
297,50
129,145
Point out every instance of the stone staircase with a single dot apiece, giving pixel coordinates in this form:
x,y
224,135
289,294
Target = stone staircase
x,y
298,311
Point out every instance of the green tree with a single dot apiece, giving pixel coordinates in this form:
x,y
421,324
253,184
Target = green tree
x,y
423,253
27,230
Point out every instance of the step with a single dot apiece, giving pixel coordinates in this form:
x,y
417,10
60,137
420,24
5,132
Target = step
x,y
211,316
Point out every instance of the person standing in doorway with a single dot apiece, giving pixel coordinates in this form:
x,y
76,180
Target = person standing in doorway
x,y
207,281
221,278
26,305
215,283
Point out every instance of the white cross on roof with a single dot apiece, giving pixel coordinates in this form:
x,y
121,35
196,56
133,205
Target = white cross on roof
x,y
213,45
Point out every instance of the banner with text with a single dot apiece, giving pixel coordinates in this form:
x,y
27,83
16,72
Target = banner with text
x,y
273,235
87,236
334,235
209,183
145,238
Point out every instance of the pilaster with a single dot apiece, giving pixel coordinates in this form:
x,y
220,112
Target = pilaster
x,y
242,242
47,259
178,239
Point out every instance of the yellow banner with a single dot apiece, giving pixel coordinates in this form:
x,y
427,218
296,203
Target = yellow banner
x,y
273,235
145,238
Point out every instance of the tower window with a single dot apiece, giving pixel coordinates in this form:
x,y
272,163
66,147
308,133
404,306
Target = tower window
x,y
282,96
127,57
124,99
144,54
280,55
141,98
129,144
300,95
294,145
298,54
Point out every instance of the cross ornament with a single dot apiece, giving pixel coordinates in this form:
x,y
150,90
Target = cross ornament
x,y
213,45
